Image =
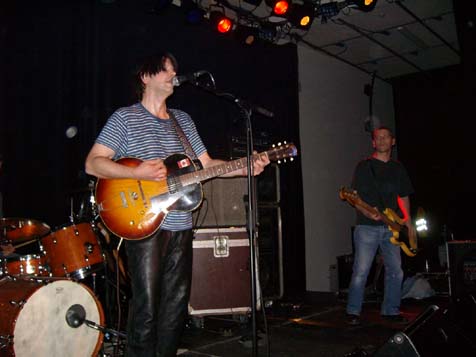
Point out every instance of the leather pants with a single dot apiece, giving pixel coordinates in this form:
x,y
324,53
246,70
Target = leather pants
x,y
160,268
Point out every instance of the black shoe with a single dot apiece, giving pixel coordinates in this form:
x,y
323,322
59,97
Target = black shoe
x,y
396,319
353,320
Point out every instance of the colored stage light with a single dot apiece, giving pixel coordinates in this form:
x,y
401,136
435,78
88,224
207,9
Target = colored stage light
x,y
221,22
301,16
365,5
280,7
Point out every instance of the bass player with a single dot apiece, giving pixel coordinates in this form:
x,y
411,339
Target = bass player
x,y
383,183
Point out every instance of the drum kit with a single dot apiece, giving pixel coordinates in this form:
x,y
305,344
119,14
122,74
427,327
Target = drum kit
x,y
47,307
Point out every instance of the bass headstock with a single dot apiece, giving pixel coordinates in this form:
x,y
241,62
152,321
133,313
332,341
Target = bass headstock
x,y
349,195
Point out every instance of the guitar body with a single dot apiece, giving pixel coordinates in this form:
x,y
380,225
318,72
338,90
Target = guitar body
x,y
135,209
400,234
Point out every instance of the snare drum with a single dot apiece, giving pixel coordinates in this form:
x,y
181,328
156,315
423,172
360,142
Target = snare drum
x,y
72,251
31,264
33,318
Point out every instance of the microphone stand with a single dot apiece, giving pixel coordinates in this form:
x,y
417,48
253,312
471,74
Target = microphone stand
x,y
252,218
246,111
107,331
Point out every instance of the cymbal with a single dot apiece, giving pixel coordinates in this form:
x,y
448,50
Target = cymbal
x,y
20,230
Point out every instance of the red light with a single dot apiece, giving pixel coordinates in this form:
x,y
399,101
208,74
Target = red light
x,y
224,25
281,7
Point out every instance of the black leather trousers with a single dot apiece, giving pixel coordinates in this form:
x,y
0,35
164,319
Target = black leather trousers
x,y
160,268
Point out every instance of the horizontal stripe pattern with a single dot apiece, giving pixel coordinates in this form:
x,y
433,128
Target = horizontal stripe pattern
x,y
134,132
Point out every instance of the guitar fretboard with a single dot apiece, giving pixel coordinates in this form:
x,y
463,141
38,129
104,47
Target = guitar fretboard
x,y
217,170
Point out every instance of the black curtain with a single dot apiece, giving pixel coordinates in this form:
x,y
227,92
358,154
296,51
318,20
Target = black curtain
x,y
69,64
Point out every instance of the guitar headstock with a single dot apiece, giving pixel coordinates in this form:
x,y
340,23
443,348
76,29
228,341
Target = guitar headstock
x,y
281,152
349,195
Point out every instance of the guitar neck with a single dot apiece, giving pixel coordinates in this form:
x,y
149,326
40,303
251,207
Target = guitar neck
x,y
218,170
382,216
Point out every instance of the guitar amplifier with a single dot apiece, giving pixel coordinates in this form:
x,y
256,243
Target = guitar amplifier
x,y
221,273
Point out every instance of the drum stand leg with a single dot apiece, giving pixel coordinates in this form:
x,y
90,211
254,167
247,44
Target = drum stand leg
x,y
94,283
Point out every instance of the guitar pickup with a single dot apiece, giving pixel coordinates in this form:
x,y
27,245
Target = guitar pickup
x,y
123,199
173,184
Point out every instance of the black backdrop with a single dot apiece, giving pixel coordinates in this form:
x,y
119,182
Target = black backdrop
x,y
69,64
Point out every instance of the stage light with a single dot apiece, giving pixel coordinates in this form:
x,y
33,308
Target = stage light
x,y
280,7
301,16
365,5
421,223
193,14
222,23
246,35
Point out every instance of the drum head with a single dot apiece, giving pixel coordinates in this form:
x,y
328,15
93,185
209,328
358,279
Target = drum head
x,y
41,328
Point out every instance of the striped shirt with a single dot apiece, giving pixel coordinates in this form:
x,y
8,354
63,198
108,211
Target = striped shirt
x,y
134,132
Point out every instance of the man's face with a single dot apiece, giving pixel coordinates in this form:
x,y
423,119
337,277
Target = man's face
x,y
383,140
161,81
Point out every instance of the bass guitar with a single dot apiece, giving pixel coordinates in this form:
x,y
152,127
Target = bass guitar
x,y
402,237
135,209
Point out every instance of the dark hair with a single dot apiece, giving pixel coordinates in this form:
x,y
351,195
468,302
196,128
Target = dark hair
x,y
382,128
150,66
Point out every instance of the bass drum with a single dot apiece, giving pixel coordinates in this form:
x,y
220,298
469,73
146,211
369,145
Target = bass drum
x,y
33,318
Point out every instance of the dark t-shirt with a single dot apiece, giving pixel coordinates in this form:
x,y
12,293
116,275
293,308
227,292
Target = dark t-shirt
x,y
379,184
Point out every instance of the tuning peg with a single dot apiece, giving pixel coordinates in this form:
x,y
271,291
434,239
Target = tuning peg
x,y
279,144
285,142
291,159
279,161
273,146
284,160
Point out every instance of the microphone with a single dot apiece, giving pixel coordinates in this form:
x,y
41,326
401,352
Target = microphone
x,y
191,77
75,316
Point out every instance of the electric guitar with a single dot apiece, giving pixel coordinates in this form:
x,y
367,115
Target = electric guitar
x,y
401,235
135,209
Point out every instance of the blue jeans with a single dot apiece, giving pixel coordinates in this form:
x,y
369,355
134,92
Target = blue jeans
x,y
367,239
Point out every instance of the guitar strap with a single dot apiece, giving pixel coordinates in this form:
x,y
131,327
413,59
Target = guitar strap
x,y
185,143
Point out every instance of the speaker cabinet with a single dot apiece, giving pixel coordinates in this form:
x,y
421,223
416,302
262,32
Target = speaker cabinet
x,y
225,199
462,268
433,333
270,251
268,185
223,204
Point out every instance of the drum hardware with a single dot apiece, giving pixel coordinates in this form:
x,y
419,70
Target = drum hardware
x,y
18,304
85,202
5,341
19,230
76,316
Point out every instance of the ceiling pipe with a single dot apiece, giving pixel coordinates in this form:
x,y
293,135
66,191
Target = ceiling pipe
x,y
317,48
370,38
420,21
